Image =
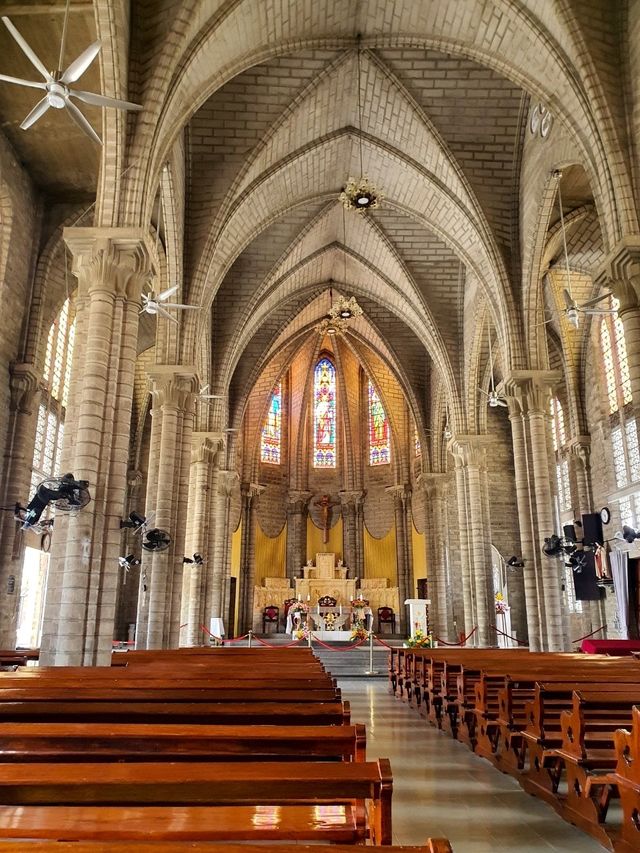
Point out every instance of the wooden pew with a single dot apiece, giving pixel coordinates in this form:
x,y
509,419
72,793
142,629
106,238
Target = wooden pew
x,y
432,845
212,801
627,774
67,742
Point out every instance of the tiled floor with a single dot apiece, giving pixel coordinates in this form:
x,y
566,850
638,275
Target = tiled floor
x,y
442,789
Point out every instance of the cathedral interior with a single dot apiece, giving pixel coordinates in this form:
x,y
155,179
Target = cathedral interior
x,y
404,237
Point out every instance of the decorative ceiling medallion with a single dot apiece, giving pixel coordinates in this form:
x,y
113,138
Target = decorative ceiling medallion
x,y
541,121
360,194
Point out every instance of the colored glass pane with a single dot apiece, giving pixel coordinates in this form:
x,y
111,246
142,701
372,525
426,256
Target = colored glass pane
x,y
272,429
324,415
379,444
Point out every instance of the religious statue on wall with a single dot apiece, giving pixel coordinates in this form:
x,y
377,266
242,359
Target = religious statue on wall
x,y
325,504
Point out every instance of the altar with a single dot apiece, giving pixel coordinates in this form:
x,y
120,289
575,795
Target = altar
x,y
325,578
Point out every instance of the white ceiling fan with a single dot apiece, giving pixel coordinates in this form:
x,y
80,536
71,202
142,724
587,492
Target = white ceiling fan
x,y
157,304
57,83
493,398
202,394
572,310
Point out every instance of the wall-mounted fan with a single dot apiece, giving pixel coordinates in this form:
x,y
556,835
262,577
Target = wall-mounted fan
x,y
56,85
158,304
572,310
197,560
628,534
202,394
65,493
494,399
156,540
128,562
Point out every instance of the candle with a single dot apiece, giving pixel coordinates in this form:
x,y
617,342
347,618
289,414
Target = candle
x,y
360,596
308,598
299,597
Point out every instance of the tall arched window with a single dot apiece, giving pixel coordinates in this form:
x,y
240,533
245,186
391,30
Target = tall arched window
x,y
45,464
272,429
416,442
379,435
562,464
324,415
624,430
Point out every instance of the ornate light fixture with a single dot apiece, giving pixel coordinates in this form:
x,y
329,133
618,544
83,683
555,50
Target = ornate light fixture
x,y
360,194
339,315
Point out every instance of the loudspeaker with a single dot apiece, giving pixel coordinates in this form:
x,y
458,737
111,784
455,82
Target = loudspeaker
x,y
592,529
569,532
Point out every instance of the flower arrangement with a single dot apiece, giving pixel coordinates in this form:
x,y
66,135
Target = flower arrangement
x,y
301,633
359,632
501,605
419,640
330,621
359,602
299,607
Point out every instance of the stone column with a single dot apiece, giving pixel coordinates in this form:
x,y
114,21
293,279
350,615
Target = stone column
x,y
173,391
403,562
250,493
470,454
297,512
621,274
351,501
25,396
226,480
435,528
528,394
202,494
112,265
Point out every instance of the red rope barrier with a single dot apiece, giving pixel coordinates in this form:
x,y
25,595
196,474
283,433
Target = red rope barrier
x,y
342,649
586,636
504,634
276,646
382,643
462,641
221,639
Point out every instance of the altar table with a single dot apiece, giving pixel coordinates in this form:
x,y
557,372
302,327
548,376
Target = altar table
x,y
610,647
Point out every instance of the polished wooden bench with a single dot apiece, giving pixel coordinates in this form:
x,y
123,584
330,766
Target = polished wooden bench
x,y
432,845
627,774
67,742
343,801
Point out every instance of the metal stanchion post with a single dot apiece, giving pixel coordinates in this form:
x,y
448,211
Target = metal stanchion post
x,y
371,670
250,637
309,638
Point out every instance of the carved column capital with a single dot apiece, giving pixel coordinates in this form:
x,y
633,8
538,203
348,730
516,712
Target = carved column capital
x,y
227,481
134,478
297,501
400,492
529,391
206,446
174,386
351,498
25,388
580,447
252,490
620,272
118,261
469,451
433,484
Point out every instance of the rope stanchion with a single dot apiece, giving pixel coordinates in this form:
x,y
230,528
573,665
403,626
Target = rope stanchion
x,y
221,639
586,636
342,649
382,642
504,634
462,641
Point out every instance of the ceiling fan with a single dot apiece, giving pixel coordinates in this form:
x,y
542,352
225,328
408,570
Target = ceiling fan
x,y
57,83
202,394
157,304
572,310
494,399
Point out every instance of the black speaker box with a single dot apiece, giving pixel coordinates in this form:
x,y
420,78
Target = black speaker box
x,y
569,533
592,532
584,581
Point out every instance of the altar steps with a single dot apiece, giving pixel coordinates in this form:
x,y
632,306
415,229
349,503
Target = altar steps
x,y
354,663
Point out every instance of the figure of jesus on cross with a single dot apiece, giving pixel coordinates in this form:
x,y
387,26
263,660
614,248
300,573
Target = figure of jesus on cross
x,y
325,503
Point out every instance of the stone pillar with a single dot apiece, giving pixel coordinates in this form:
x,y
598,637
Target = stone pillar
x,y
297,512
435,528
528,394
621,274
401,498
225,482
25,396
250,493
471,466
173,391
112,265
352,546
202,492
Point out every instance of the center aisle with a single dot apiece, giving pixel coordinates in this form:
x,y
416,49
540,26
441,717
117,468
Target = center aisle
x,y
440,788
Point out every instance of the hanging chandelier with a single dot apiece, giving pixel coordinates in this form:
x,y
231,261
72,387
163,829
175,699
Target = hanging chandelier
x,y
339,315
360,194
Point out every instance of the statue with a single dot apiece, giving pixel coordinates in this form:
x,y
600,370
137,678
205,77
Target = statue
x,y
325,503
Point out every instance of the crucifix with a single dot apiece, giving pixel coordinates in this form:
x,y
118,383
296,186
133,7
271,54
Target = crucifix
x,y
325,503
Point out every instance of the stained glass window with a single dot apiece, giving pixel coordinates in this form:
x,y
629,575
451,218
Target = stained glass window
x,y
324,415
416,442
379,443
272,429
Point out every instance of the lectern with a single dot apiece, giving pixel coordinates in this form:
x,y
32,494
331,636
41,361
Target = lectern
x,y
418,615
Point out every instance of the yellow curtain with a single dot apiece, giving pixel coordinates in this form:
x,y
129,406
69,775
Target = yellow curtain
x,y
418,544
380,556
271,555
315,545
236,547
